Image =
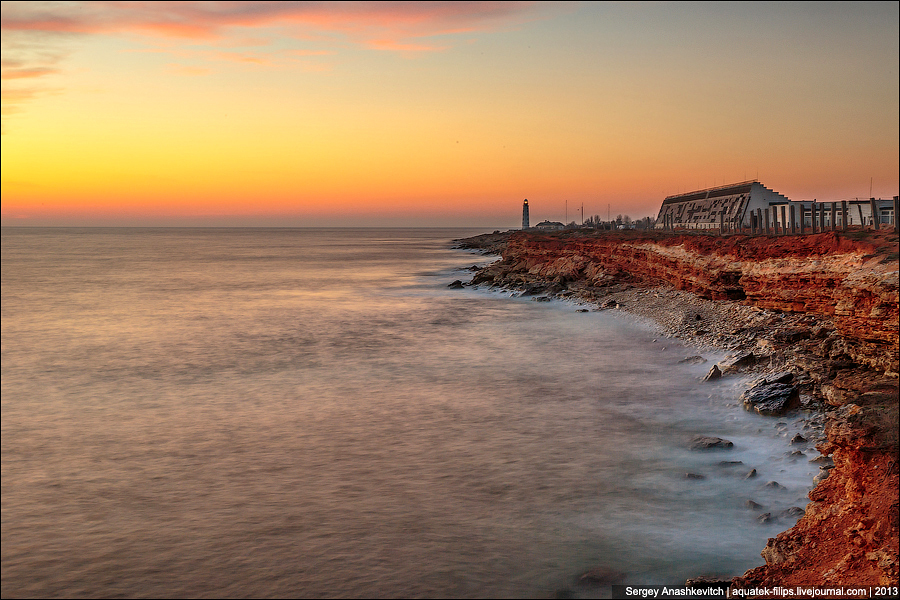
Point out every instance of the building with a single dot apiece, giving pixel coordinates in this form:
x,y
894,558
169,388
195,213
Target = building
x,y
751,205
525,224
707,209
549,225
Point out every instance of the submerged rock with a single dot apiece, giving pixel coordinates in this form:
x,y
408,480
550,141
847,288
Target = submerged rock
x,y
693,360
456,285
694,476
753,505
792,513
702,442
798,439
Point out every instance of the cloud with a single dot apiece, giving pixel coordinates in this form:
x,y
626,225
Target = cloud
x,y
37,36
362,21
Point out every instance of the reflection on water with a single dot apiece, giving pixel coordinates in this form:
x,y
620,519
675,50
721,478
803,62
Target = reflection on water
x,y
313,413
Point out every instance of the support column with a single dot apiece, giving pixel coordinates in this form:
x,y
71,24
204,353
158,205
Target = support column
x,y
822,218
793,220
843,215
876,218
834,216
766,211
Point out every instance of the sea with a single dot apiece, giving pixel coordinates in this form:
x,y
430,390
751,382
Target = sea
x,y
315,413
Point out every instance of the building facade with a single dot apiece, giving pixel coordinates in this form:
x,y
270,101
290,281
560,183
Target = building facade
x,y
707,209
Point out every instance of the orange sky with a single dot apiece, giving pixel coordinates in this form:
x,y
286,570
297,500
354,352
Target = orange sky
x,y
308,114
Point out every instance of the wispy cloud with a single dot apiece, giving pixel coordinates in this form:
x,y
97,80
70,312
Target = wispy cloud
x,y
38,35
201,20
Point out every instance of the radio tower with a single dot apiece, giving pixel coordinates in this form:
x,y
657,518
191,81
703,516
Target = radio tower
x,y
525,224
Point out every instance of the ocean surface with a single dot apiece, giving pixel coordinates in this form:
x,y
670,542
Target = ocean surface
x,y
314,413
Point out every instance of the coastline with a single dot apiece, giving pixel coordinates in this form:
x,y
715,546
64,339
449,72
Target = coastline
x,y
769,308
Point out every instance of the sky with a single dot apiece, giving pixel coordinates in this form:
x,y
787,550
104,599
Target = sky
x,y
436,114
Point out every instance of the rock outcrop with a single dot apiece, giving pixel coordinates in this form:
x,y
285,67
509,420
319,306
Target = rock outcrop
x,y
826,317
851,283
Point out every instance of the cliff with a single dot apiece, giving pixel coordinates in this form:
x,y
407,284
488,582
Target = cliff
x,y
823,306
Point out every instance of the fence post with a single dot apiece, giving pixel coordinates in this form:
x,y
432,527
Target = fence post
x,y
875,216
896,210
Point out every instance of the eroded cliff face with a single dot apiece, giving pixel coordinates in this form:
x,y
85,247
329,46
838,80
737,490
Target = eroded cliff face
x,y
843,295
852,283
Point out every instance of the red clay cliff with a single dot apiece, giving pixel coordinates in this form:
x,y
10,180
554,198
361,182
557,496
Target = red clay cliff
x,y
835,296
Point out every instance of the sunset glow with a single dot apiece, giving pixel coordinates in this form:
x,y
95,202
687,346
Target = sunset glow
x,y
309,114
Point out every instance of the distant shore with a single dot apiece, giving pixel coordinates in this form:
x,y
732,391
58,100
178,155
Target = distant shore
x,y
843,364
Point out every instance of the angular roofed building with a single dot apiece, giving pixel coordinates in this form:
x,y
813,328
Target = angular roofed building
x,y
706,209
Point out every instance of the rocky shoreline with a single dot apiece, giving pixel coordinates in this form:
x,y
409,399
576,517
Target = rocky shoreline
x,y
814,317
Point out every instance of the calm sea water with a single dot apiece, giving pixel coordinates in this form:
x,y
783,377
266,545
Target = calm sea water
x,y
314,413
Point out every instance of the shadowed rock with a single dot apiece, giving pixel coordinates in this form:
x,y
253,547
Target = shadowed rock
x,y
735,364
792,513
753,505
702,442
773,395
713,374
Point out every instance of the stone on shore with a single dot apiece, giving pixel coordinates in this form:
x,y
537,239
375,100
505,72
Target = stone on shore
x,y
773,396
737,363
713,374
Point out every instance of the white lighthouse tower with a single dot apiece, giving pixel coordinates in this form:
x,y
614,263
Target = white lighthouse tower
x,y
525,224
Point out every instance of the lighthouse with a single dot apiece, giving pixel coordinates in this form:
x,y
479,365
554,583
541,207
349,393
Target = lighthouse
x,y
525,214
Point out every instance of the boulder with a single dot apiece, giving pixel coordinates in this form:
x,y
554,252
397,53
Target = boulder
x,y
702,442
713,374
456,284
753,505
771,397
